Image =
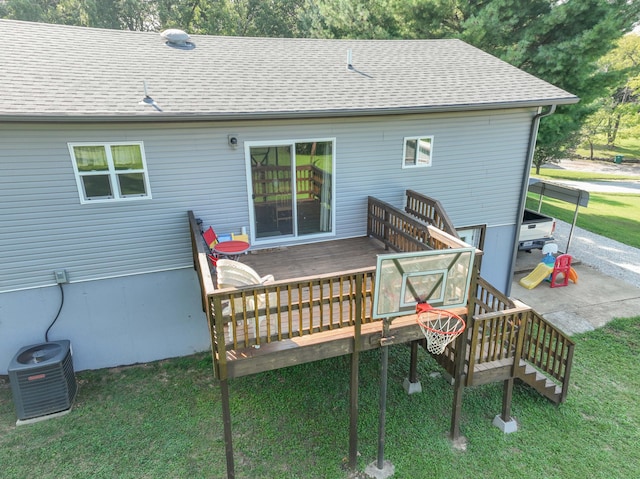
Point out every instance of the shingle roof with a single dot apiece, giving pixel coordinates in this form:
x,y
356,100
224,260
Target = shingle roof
x,y
59,71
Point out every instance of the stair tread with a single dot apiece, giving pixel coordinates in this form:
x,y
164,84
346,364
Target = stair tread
x,y
539,381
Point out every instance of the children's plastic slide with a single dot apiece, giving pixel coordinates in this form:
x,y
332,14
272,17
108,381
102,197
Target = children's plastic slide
x,y
542,272
537,276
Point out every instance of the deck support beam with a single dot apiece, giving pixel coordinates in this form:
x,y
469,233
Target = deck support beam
x,y
355,378
459,379
504,421
353,412
226,420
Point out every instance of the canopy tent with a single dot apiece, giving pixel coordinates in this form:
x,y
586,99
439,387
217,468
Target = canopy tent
x,y
560,192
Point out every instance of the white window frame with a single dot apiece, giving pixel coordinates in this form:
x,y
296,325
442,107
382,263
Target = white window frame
x,y
111,172
422,164
291,143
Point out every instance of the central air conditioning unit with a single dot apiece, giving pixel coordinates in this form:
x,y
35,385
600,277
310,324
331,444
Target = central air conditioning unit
x,y
42,379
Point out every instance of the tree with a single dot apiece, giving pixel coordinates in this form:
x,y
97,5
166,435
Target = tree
x,y
592,127
362,19
116,14
267,18
559,42
620,108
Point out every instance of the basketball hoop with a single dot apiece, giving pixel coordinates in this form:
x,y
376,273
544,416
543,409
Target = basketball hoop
x,y
439,327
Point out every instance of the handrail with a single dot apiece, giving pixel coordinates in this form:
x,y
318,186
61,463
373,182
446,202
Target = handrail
x,y
429,210
548,349
200,262
395,229
489,299
507,329
494,337
401,232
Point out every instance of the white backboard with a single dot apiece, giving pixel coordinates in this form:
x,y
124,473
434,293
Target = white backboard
x,y
439,277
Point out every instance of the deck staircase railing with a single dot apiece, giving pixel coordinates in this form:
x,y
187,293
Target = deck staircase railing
x,y
549,351
430,211
509,337
401,232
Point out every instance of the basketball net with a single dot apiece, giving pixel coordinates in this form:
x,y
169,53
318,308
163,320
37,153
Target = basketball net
x,y
439,327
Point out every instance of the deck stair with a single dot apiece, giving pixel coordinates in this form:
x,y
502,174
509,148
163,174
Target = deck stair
x,y
538,381
504,333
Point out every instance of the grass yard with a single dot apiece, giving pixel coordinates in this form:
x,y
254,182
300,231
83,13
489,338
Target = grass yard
x,y
163,420
627,146
557,174
616,216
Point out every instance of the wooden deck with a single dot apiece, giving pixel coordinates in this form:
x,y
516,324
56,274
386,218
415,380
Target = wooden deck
x,y
316,258
320,306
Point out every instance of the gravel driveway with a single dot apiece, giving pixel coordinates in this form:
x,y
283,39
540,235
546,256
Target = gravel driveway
x,y
603,254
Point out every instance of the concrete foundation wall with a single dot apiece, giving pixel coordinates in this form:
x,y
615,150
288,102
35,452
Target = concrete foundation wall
x,y
109,322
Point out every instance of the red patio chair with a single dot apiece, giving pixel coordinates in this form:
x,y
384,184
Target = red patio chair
x,y
211,240
562,267
210,237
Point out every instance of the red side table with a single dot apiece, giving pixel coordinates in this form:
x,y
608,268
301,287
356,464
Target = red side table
x,y
231,249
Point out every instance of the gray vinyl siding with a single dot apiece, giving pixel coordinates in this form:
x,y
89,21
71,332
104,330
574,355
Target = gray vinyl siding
x,y
478,163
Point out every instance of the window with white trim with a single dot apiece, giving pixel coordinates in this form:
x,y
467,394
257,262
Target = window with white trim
x,y
110,171
418,151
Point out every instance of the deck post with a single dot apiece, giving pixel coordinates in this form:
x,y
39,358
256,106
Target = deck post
x,y
458,386
507,394
214,312
226,420
384,369
460,355
504,421
355,360
413,366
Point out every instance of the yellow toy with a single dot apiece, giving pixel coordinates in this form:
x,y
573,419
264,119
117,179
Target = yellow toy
x,y
537,276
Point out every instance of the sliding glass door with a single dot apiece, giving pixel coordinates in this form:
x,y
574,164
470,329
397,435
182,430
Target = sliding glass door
x,y
291,186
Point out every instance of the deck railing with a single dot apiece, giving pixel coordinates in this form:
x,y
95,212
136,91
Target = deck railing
x,y
256,315
489,299
252,316
271,182
548,349
495,337
400,232
430,211
200,262
502,329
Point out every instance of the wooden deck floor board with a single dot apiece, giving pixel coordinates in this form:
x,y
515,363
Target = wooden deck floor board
x,y
315,258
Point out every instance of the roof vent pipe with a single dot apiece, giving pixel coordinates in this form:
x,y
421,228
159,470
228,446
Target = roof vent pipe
x,y
349,62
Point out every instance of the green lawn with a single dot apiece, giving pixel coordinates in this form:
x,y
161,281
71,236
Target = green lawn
x,y
552,173
616,216
628,147
163,420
